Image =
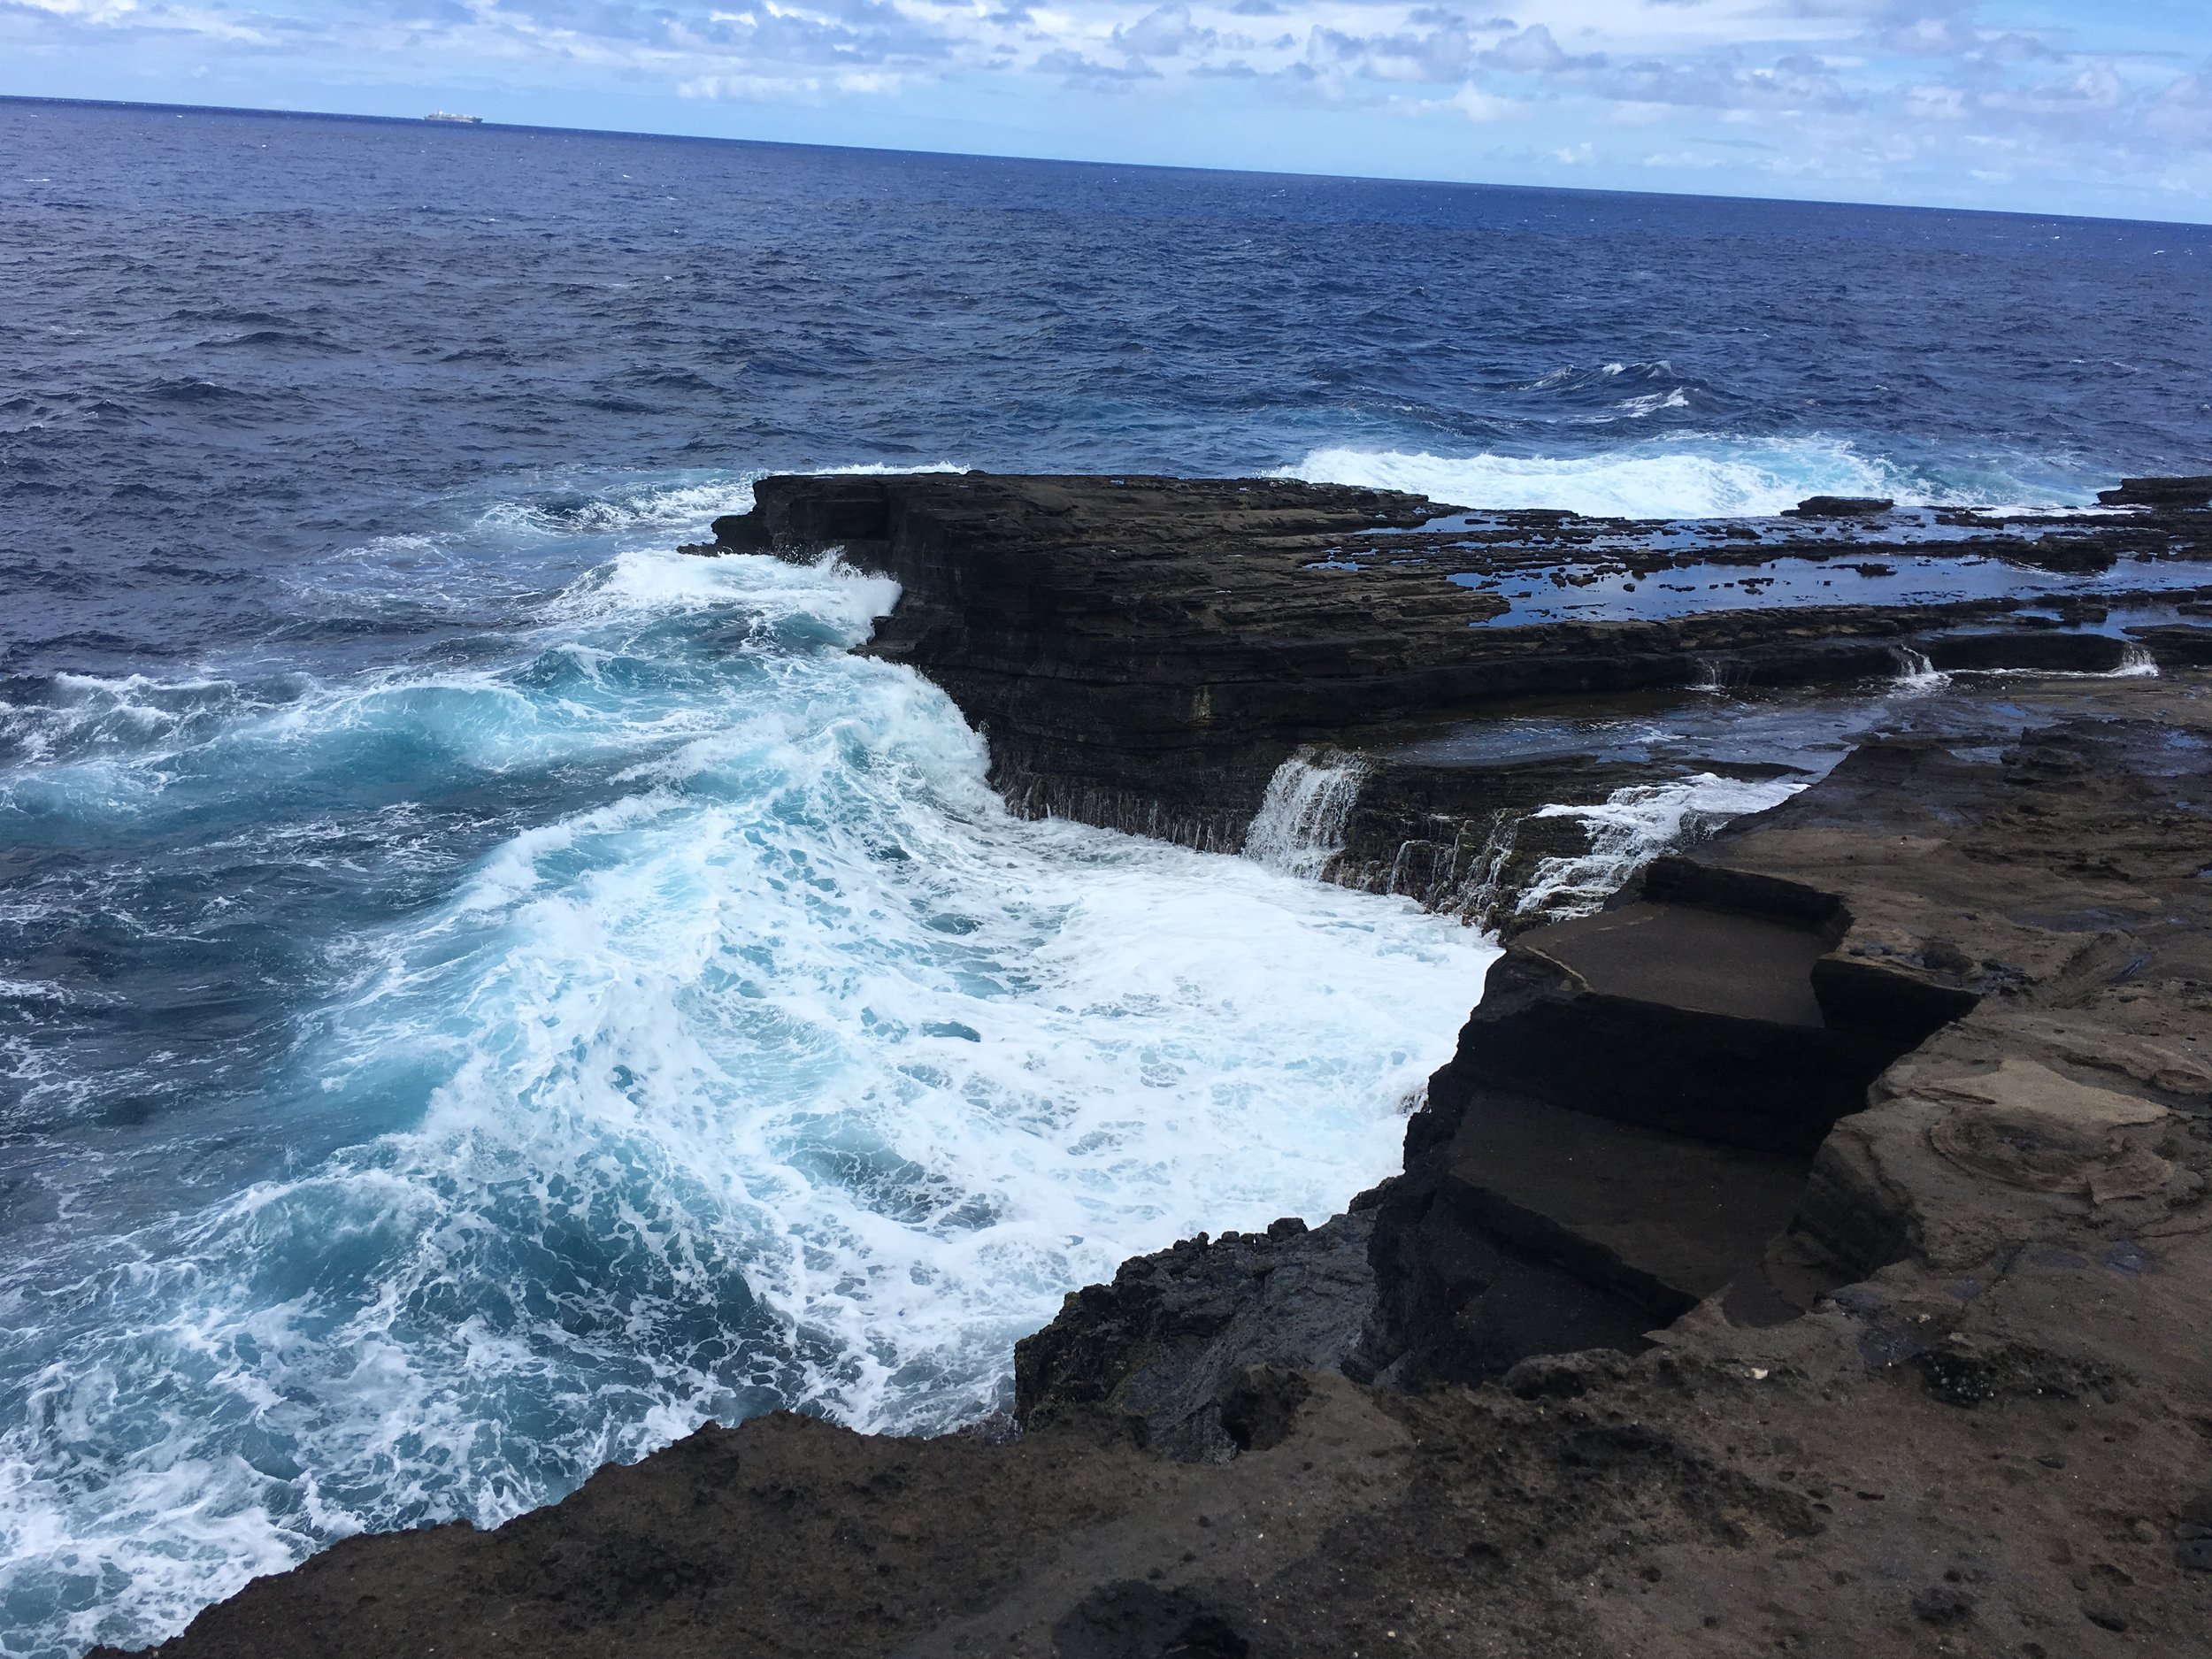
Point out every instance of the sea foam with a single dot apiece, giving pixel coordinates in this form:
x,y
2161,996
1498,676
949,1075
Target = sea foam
x,y
786,1068
1681,477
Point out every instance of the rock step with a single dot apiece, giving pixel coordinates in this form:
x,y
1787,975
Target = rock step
x,y
1703,960
1696,1023
1664,1219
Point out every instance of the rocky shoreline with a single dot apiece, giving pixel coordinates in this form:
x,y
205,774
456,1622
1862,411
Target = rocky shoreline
x,y
1145,654
1810,1251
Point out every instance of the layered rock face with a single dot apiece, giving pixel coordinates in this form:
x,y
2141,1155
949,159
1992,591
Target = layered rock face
x,y
1702,1053
1810,1252
1145,653
1662,1108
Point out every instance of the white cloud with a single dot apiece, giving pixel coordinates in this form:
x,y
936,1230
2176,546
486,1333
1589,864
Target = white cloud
x,y
1477,105
1164,32
1533,50
2183,111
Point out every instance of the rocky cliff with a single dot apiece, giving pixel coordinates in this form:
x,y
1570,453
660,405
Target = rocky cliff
x,y
1808,1252
1145,653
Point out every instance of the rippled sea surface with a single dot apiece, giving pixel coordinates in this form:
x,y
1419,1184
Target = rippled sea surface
x,y
480,993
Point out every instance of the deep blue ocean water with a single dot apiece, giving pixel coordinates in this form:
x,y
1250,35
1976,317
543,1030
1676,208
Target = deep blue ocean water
x,y
480,993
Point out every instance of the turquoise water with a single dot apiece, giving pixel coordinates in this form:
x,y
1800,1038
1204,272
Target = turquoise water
x,y
629,1009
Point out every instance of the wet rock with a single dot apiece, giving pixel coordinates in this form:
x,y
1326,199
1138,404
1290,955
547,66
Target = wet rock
x,y
1842,506
2053,652
1142,653
2176,645
2195,491
1196,1348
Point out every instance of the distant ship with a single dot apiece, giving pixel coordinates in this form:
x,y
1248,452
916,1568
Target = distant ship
x,y
447,115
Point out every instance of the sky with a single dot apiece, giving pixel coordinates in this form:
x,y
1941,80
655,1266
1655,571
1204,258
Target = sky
x,y
2096,107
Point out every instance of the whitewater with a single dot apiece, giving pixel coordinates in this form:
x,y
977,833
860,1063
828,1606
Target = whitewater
x,y
792,1070
1693,475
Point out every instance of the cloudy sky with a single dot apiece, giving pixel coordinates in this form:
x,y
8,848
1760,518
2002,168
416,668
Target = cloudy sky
x,y
2043,105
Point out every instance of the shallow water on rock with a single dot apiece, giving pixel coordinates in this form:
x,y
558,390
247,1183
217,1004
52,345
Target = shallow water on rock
x,y
1581,593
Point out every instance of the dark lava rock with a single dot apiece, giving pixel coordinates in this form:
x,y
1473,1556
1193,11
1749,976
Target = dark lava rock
x,y
1942,1604
1142,653
1469,839
2176,645
2193,1537
1842,506
1135,1620
1191,1347
2057,653
1262,1408
2194,491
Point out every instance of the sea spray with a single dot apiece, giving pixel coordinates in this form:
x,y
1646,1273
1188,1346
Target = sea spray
x,y
1483,893
1916,675
1684,477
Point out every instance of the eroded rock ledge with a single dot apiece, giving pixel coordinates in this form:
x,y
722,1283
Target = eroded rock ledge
x,y
1145,653
1142,653
1810,1253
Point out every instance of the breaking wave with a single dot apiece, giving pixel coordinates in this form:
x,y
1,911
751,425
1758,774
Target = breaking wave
x,y
1685,477
640,1013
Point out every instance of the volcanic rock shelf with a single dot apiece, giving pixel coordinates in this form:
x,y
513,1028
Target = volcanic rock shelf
x,y
1142,653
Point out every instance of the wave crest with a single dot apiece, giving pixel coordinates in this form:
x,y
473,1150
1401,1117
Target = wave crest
x,y
761,1057
1674,477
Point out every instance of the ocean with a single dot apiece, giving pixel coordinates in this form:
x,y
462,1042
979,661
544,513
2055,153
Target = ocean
x,y
481,994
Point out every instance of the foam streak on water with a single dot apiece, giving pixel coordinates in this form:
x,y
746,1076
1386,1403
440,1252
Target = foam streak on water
x,y
784,1068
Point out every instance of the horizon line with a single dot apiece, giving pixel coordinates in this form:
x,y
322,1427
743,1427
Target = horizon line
x,y
1082,161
